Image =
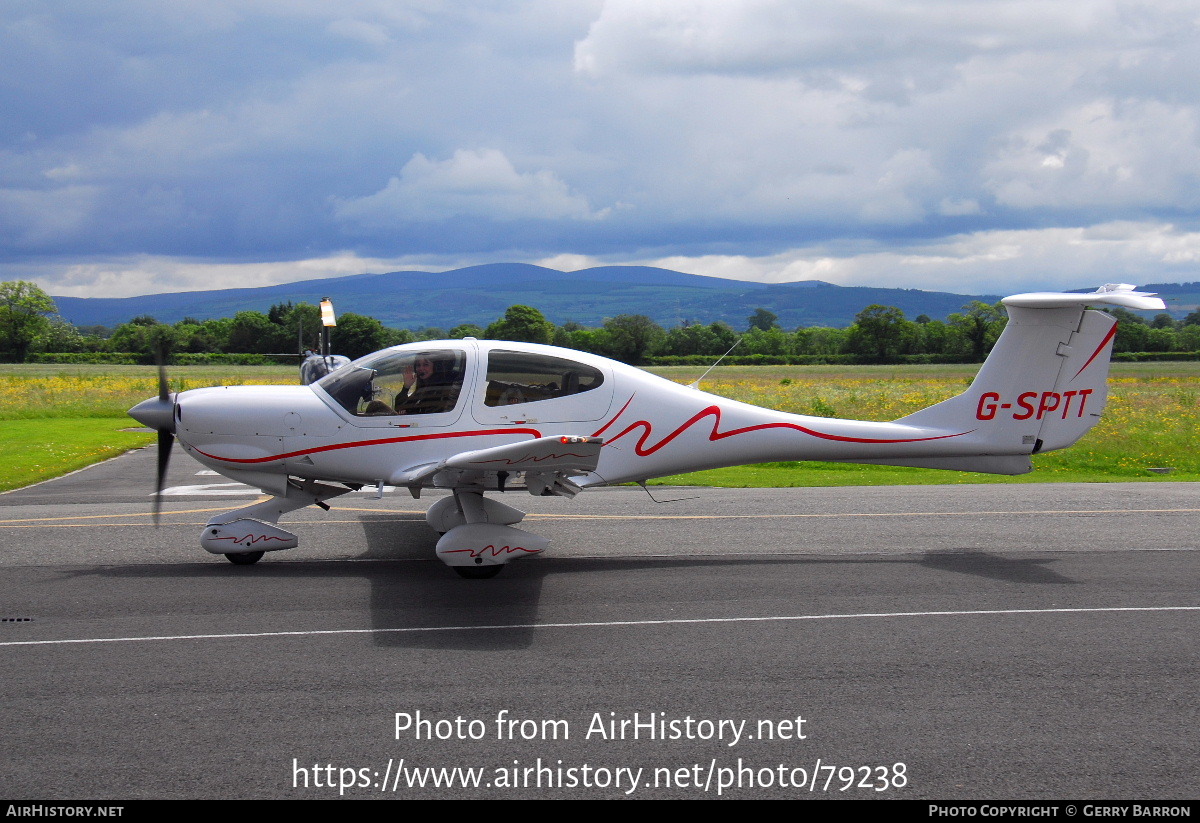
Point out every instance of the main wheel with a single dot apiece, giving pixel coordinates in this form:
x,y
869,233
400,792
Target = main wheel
x,y
478,572
245,558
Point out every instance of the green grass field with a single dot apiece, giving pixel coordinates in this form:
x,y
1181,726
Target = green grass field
x,y
1151,422
55,419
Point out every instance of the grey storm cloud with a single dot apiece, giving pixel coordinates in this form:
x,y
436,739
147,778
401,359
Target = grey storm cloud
x,y
764,140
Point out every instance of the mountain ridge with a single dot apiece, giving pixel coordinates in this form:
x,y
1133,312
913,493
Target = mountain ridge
x,y
480,294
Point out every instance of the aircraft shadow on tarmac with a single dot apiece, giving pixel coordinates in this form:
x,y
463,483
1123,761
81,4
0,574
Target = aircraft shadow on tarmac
x,y
416,590
995,567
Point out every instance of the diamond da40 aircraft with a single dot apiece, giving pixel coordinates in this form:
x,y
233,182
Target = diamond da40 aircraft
x,y
476,417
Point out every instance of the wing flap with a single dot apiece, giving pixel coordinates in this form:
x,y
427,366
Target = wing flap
x,y
561,454
564,455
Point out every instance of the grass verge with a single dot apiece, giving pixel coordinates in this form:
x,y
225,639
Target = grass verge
x,y
788,475
37,450
54,419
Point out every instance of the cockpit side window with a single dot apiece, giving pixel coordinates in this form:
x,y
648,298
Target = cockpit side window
x,y
521,377
399,383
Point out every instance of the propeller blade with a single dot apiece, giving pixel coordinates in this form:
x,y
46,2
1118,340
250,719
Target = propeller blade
x,y
165,441
166,429
160,359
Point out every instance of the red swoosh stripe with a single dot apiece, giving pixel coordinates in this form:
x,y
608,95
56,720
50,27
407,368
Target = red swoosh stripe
x,y
530,458
360,443
1107,339
252,538
601,430
495,552
715,412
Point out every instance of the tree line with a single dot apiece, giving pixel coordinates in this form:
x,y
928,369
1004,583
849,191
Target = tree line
x,y
30,329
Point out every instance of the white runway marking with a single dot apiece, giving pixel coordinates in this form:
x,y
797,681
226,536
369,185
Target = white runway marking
x,y
601,625
210,488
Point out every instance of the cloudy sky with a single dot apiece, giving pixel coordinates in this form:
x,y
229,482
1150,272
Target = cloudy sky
x,y
984,146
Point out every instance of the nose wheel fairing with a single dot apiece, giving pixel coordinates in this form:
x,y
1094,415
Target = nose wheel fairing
x,y
252,529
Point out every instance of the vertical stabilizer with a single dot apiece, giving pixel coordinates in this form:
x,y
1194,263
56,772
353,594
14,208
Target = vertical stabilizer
x,y
1045,382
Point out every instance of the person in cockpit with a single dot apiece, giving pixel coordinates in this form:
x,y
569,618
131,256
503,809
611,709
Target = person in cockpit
x,y
429,386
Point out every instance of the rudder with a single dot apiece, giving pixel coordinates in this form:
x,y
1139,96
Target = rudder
x,y
1080,394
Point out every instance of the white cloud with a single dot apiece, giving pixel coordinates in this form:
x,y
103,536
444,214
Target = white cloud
x,y
148,274
622,130
764,97
473,183
1103,153
858,44
996,262
986,262
568,262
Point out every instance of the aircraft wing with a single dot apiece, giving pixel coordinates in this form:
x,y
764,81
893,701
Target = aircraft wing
x,y
546,464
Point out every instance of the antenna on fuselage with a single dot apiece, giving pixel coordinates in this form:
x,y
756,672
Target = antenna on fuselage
x,y
642,483
696,383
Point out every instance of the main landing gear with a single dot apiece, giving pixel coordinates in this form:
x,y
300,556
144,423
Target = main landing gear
x,y
477,534
478,572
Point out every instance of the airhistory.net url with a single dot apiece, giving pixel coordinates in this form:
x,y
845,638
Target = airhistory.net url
x,y
400,775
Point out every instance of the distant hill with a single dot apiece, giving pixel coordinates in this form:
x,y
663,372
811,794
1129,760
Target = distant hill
x,y
480,294
1181,298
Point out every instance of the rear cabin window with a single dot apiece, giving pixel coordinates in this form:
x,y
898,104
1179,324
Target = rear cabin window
x,y
520,377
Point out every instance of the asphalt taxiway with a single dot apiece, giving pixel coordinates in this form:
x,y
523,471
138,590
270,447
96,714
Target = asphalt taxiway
x,y
996,641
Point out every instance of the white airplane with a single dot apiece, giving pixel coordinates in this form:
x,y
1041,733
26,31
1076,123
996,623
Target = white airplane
x,y
474,416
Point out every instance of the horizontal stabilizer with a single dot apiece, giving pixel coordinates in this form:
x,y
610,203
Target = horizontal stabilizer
x,y
1112,294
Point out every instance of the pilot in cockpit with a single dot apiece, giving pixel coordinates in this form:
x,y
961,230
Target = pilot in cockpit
x,y
396,383
430,386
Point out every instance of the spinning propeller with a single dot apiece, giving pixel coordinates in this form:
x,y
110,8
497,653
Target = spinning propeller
x,y
158,413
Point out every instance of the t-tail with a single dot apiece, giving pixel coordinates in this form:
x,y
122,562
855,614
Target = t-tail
x,y
1044,384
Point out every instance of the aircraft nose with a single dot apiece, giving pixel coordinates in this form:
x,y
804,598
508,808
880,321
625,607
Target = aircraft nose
x,y
156,413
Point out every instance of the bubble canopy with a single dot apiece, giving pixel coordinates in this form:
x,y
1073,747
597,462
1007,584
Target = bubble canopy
x,y
399,382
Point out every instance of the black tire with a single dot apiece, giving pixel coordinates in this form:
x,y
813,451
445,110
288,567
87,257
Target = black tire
x,y
245,558
478,572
